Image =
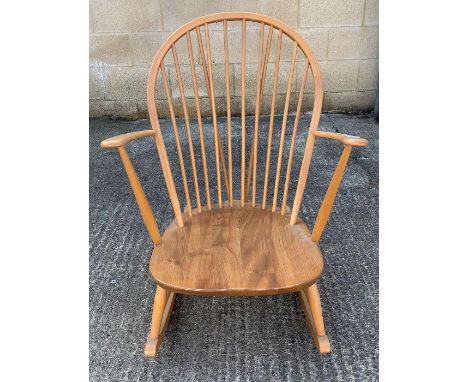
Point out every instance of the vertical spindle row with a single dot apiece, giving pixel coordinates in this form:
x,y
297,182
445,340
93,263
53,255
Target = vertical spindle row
x,y
248,172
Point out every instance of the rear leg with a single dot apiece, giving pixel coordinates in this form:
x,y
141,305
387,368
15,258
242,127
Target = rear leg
x,y
310,299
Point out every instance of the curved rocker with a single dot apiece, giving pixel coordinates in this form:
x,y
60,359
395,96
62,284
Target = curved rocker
x,y
234,247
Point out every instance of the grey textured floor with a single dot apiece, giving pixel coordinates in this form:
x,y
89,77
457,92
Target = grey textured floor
x,y
233,339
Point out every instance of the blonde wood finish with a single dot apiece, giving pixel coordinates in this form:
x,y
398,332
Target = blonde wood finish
x,y
325,209
293,138
123,139
187,125
176,135
233,247
162,309
258,105
283,127
236,251
243,188
199,120
257,115
321,342
316,309
218,152
160,299
265,62
228,112
223,165
327,203
210,89
244,17
272,117
161,148
141,199
350,140
308,151
249,172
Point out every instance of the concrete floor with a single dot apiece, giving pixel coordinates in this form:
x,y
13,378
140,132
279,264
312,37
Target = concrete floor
x,y
233,339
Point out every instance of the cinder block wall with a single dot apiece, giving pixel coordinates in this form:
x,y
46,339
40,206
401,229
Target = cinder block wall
x,y
125,34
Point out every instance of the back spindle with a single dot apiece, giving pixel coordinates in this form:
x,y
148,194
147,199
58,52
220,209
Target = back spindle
x,y
272,118
187,126
283,127
176,136
293,138
243,112
228,111
257,115
199,120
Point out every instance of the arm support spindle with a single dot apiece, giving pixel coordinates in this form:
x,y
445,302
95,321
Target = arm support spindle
x,y
141,199
324,212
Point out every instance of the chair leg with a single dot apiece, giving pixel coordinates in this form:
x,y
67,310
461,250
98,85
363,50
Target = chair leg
x,y
162,308
310,299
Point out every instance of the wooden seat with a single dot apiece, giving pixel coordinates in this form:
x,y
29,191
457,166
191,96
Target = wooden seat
x,y
253,246
236,251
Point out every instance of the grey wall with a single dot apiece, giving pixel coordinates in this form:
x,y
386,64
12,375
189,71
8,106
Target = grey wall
x,y
125,34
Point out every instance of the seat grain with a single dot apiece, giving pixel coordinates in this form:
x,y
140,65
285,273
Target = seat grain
x,y
236,251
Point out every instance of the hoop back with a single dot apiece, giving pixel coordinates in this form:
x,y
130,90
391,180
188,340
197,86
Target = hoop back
x,y
228,64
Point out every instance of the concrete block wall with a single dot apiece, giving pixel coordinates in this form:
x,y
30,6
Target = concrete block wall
x,y
125,35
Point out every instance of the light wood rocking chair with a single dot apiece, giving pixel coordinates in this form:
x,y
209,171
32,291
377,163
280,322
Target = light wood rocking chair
x,y
232,247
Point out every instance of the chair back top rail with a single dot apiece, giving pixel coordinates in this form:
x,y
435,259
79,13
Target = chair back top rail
x,y
187,74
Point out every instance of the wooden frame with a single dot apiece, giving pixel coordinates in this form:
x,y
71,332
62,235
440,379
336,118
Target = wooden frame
x,y
234,247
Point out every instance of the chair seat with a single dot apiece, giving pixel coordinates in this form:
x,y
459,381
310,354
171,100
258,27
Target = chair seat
x,y
236,251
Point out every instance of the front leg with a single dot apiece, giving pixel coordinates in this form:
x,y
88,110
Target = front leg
x,y
162,308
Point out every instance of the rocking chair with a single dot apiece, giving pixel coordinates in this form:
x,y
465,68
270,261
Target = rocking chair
x,y
219,244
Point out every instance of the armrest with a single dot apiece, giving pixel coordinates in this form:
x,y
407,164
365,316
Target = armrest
x,y
349,140
147,214
324,212
123,139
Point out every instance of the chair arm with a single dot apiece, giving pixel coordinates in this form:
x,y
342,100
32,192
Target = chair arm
x,y
123,139
146,212
324,212
348,140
